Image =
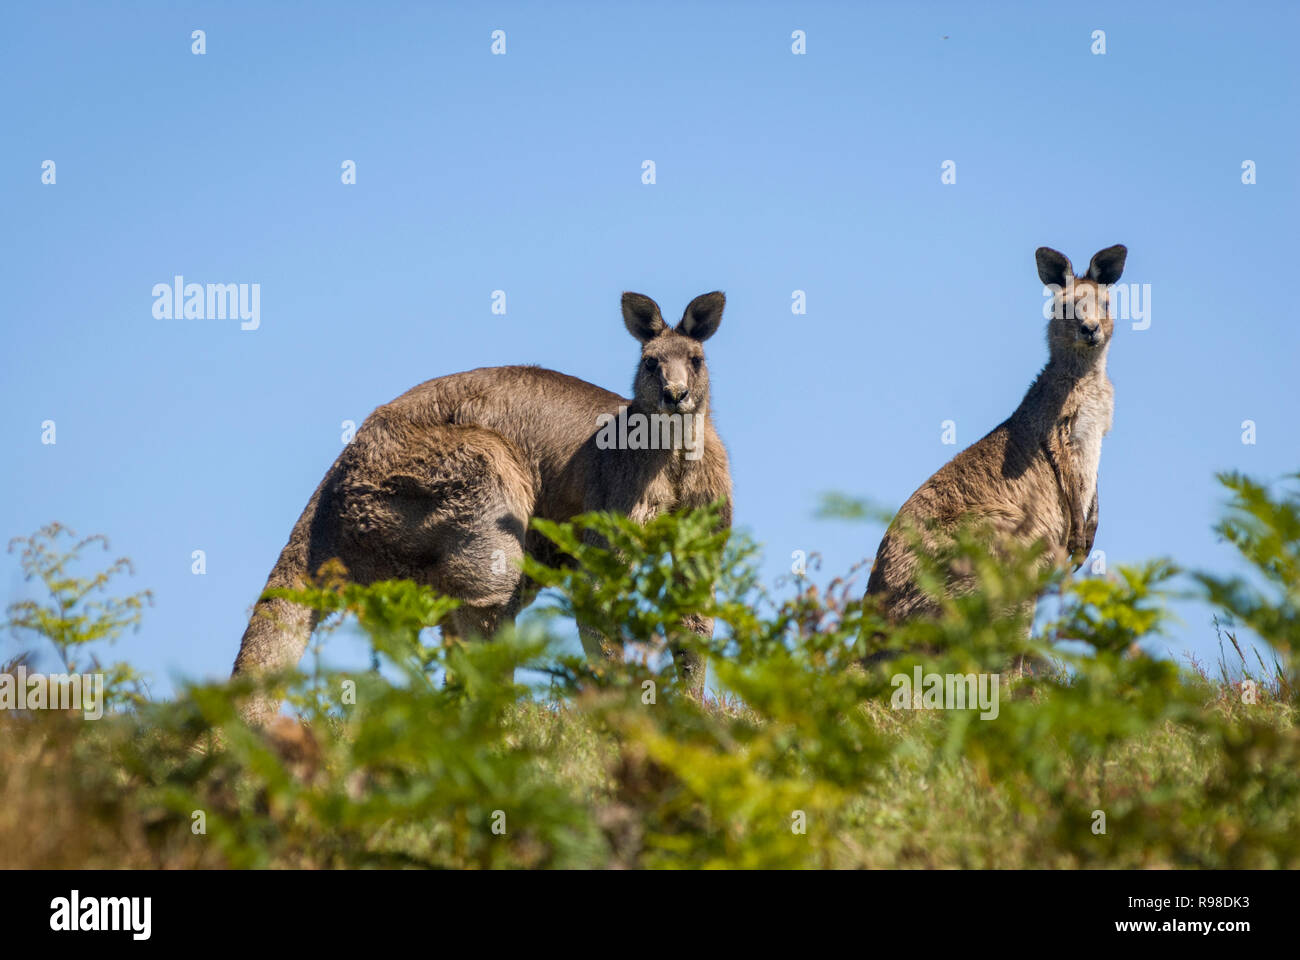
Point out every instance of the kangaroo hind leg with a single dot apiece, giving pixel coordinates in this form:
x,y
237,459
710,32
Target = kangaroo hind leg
x,y
448,508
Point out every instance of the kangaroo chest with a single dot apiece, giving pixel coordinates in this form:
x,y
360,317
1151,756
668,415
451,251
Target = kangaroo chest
x,y
666,491
1091,421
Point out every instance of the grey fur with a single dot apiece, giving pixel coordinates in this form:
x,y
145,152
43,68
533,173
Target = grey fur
x,y
1034,477
452,471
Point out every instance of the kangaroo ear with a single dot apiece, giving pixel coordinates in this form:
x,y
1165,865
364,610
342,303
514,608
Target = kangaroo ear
x,y
1053,267
641,316
1108,265
702,316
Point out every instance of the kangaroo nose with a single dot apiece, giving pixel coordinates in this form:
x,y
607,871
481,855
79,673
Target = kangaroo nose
x,y
673,392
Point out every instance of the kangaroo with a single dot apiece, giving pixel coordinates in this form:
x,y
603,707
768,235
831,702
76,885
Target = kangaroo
x,y
1034,477
439,485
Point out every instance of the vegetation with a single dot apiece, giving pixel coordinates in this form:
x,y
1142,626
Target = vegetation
x,y
439,758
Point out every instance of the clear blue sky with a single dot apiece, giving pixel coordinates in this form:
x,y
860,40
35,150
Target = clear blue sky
x,y
522,172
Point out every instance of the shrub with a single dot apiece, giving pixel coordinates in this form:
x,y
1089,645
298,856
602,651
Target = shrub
x,y
805,758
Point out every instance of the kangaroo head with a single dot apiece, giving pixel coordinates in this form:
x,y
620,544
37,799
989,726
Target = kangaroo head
x,y
672,375
1081,324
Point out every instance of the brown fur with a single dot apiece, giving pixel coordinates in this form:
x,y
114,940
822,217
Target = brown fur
x,y
1034,477
440,484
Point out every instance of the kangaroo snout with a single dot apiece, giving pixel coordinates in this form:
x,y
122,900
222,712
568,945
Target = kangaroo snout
x,y
1090,331
673,394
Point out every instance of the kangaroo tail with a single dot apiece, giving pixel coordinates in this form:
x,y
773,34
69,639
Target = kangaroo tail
x,y
278,630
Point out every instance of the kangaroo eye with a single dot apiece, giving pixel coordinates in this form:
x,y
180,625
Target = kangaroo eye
x,y
697,362
651,364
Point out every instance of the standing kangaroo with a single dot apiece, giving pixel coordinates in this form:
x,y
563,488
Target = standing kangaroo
x,y
1034,477
439,485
